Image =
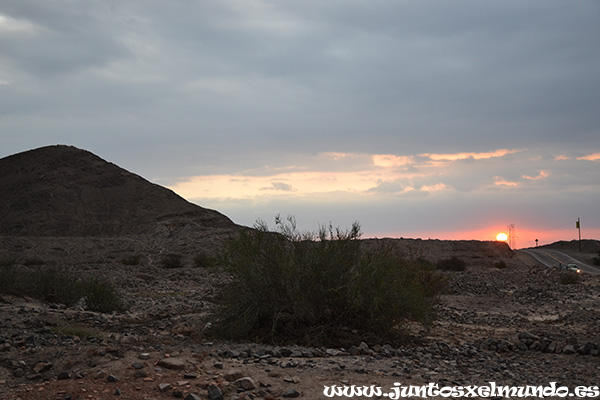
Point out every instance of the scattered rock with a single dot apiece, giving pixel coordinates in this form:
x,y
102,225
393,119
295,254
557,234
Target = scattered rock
x,y
246,383
290,393
233,375
214,393
172,363
63,375
163,387
42,367
137,365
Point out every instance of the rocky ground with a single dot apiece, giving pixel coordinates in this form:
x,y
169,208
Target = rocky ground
x,y
513,326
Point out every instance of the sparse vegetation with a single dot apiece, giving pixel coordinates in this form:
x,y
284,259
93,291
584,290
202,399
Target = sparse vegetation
x,y
135,259
309,287
570,278
500,265
33,261
171,261
162,295
204,260
79,331
597,260
451,264
57,286
7,262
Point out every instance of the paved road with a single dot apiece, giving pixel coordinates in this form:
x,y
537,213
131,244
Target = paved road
x,y
551,258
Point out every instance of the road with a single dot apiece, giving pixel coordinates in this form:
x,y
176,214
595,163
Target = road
x,y
551,258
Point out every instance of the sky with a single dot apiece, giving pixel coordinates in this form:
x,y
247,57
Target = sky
x,y
442,119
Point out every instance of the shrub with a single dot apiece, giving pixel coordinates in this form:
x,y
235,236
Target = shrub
x,y
204,260
59,286
7,262
570,278
7,277
500,265
171,261
308,287
451,264
100,296
135,259
79,331
33,261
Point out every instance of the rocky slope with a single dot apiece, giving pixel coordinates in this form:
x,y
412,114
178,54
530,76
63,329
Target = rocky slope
x,y
65,191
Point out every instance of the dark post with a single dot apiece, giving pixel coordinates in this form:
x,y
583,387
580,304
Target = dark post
x,y
578,225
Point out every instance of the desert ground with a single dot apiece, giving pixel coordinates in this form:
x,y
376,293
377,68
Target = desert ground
x,y
513,326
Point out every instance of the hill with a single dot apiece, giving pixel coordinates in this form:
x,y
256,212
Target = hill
x,y
65,191
587,246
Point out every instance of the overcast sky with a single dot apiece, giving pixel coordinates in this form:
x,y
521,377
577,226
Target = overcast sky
x,y
441,119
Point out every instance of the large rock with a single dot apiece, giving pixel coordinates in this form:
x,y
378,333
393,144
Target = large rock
x,y
172,363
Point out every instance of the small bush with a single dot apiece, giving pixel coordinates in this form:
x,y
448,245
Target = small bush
x,y
171,261
33,261
79,331
7,277
100,296
308,287
132,260
58,286
569,278
204,260
7,262
500,265
451,264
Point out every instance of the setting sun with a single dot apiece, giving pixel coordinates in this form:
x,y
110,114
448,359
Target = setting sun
x,y
501,237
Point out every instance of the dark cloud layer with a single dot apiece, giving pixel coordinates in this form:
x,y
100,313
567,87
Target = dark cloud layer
x,y
182,88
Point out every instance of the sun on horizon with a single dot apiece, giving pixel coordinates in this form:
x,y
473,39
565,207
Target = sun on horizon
x,y
502,237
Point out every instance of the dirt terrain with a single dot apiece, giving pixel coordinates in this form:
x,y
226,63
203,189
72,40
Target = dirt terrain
x,y
505,319
514,326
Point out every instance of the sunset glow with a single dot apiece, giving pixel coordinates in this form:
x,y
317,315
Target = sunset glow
x,y
502,237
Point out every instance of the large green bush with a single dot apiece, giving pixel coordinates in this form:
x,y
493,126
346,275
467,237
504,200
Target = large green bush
x,y
312,287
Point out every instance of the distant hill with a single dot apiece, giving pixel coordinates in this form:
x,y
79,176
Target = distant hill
x,y
65,191
587,245
473,252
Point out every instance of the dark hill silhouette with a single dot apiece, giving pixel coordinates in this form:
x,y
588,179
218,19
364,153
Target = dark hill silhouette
x,y
587,245
65,191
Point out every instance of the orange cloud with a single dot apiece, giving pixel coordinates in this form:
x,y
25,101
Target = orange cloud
x,y
434,188
390,160
542,175
326,174
590,157
463,156
292,183
503,182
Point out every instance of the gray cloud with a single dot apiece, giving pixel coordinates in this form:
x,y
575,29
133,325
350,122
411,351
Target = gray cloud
x,y
175,89
279,186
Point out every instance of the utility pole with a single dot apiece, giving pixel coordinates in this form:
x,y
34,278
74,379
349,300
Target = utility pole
x,y
578,226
